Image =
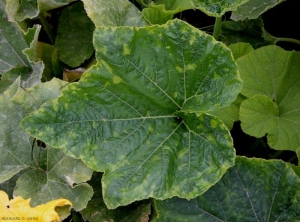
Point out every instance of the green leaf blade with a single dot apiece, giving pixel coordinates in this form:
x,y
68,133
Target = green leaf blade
x,y
217,8
253,9
113,13
252,190
271,74
74,35
128,110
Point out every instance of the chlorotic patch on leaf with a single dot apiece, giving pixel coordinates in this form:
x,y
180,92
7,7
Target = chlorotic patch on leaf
x,y
19,209
139,115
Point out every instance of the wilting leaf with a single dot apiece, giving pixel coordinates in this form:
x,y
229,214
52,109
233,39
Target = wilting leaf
x,y
253,8
139,115
74,35
252,190
271,82
113,13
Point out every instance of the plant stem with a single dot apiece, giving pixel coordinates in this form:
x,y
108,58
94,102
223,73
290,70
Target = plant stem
x,y
217,28
287,40
47,28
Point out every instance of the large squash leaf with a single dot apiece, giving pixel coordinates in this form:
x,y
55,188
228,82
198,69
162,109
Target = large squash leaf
x,y
139,114
271,82
253,190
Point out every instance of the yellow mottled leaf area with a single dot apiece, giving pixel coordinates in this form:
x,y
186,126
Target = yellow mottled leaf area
x,y
19,209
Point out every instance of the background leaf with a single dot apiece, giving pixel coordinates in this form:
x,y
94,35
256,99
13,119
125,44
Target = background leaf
x,y
272,76
252,190
253,8
247,31
74,35
113,13
230,114
97,210
11,48
162,11
58,176
20,54
16,104
14,142
19,11
61,176
217,8
138,124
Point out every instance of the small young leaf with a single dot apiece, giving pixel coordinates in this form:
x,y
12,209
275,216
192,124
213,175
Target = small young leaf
x,y
271,75
252,190
139,114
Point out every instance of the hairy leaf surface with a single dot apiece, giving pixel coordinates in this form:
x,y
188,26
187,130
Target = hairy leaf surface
x,y
252,190
271,75
139,114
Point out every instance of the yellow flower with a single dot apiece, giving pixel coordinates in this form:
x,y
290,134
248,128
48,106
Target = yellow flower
x,y
18,209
